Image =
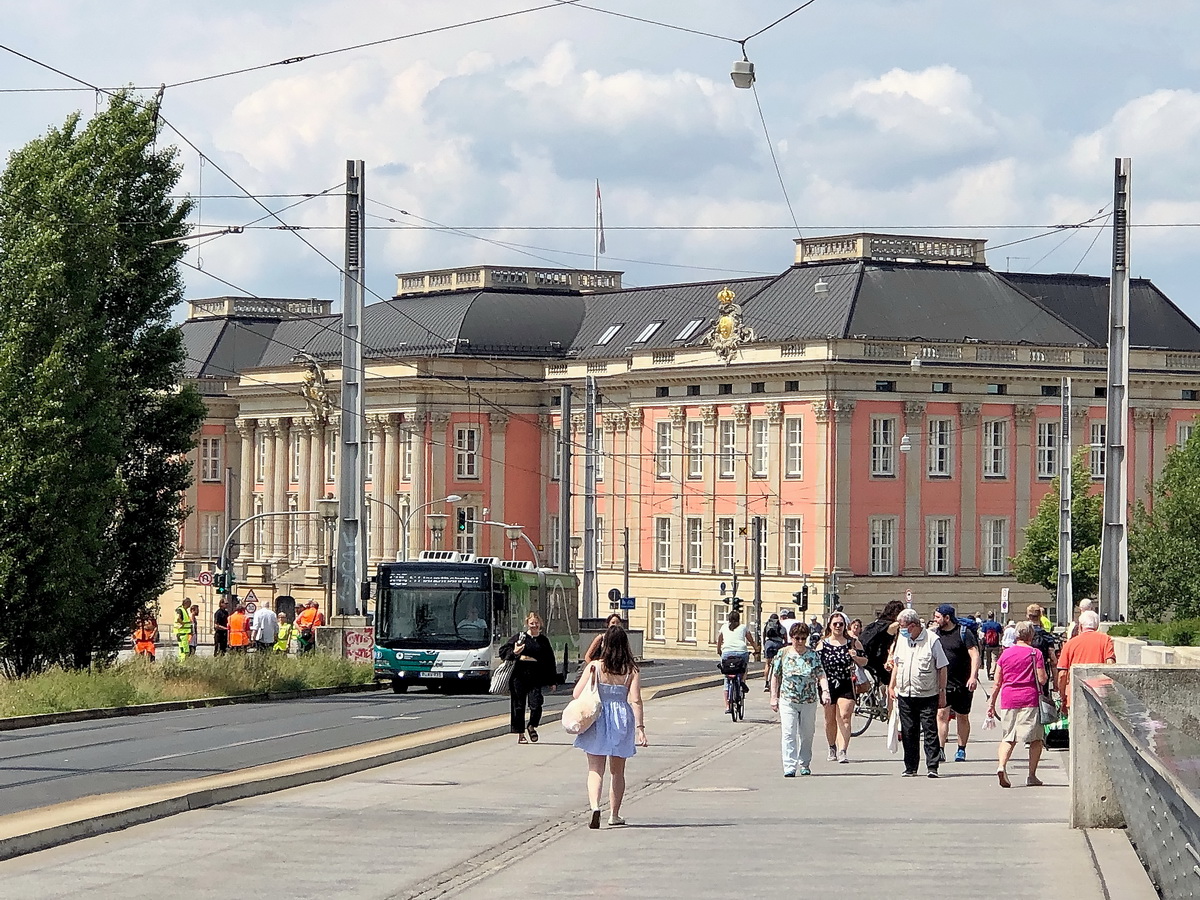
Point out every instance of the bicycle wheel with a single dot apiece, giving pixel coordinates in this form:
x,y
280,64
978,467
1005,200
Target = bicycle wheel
x,y
735,698
866,711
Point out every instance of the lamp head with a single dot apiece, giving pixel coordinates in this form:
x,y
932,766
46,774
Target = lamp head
x,y
513,532
451,498
576,542
742,74
327,507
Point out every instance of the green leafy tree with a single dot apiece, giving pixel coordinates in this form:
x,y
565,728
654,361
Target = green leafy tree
x,y
1164,541
1037,563
94,428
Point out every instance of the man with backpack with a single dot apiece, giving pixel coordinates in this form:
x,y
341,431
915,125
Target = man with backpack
x,y
1043,640
962,677
877,640
991,632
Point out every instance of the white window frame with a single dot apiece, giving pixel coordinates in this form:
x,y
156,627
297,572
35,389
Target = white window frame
x,y
599,541
1048,446
939,545
662,544
466,541
995,448
695,543
726,545
687,623
295,476
260,457
662,449
210,536
369,458
331,458
883,446
407,466
695,433
1183,432
793,435
555,543
727,448
994,550
646,333
260,528
658,620
609,333
720,614
598,445
1098,450
941,447
689,329
883,532
760,447
211,449
556,457
466,453
793,546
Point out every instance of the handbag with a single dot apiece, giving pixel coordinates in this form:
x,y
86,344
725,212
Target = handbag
x,y
582,712
893,729
502,677
1047,711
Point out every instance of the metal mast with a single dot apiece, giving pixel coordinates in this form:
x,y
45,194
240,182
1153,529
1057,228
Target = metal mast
x,y
351,567
590,608
1065,595
566,495
1114,547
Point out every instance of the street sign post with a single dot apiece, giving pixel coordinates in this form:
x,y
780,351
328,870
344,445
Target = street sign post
x,y
1004,601
628,602
614,598
908,598
204,579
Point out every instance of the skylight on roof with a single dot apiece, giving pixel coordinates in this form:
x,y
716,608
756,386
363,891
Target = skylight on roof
x,y
647,332
688,330
609,333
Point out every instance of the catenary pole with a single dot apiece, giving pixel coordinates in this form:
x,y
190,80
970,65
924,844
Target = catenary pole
x,y
565,493
1064,595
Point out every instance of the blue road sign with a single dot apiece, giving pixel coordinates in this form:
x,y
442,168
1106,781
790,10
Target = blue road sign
x,y
629,603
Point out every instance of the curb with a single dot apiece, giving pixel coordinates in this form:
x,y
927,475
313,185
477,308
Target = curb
x,y
39,829
14,723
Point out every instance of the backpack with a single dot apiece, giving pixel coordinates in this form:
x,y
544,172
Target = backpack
x,y
876,641
775,632
991,637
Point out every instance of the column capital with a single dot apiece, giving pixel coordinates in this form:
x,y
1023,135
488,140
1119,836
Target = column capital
x,y
774,413
439,419
741,413
1149,413
614,422
576,421
678,415
636,417
914,410
246,427
498,422
708,414
1024,411
969,412
837,410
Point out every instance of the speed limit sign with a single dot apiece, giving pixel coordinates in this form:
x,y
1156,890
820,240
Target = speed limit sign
x,y
204,578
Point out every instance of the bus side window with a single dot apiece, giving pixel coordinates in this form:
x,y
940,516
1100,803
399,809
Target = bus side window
x,y
500,614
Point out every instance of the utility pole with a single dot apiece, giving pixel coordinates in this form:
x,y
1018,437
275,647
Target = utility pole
x,y
1066,600
625,565
758,538
565,495
1114,546
351,565
589,501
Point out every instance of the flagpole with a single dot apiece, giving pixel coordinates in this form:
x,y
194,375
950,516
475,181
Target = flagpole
x,y
596,255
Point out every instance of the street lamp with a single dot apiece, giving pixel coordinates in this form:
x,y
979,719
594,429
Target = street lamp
x,y
743,74
437,524
406,518
576,543
327,508
515,533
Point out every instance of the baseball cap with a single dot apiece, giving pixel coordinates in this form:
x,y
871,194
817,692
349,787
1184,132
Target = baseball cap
x,y
948,611
787,614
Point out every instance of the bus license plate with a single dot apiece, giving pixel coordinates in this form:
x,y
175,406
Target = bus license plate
x,y
429,675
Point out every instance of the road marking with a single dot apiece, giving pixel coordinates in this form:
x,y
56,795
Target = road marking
x,y
372,718
261,740
402,718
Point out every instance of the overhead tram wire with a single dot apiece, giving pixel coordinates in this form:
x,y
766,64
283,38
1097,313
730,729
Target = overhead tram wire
x,y
775,161
306,198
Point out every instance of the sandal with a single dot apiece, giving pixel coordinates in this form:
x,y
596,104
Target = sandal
x,y
1033,781
1002,776
533,735
521,739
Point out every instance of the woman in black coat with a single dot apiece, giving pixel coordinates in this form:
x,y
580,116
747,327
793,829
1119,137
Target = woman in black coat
x,y
535,669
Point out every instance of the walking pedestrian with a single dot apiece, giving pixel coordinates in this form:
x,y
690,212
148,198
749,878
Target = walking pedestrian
x,y
184,625
918,685
593,650
239,630
221,628
194,637
840,653
264,628
1020,679
1089,647
990,634
962,677
534,670
621,727
1010,635
774,637
798,685
287,631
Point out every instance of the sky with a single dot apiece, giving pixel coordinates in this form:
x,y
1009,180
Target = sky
x,y
483,143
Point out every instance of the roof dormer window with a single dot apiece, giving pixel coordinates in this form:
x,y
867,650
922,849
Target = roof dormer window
x,y
647,333
609,333
689,329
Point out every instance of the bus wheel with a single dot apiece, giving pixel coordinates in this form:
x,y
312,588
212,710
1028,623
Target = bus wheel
x,y
399,687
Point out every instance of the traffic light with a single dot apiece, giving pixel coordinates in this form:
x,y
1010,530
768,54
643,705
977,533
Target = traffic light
x,y
462,520
804,598
835,600
221,583
737,604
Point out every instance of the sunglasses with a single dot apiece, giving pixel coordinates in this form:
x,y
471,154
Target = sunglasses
x,y
838,624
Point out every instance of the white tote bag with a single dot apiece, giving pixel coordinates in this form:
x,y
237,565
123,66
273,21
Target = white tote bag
x,y
893,729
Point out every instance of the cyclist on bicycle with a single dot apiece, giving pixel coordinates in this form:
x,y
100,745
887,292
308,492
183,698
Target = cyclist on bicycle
x,y
735,641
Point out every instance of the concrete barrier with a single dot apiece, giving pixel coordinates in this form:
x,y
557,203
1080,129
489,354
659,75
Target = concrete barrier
x,y
1128,650
1157,656
1135,746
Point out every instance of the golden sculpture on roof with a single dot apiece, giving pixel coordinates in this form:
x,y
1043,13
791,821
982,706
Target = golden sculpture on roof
x,y
728,332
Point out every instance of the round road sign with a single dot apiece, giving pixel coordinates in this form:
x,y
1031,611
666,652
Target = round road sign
x,y
204,578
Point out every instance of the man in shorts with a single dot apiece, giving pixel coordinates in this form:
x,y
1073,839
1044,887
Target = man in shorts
x,y
962,677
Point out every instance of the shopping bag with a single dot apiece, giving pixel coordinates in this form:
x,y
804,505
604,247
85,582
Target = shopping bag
x,y
502,676
1047,711
893,729
582,712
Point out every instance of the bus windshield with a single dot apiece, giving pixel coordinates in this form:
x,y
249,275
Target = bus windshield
x,y
433,617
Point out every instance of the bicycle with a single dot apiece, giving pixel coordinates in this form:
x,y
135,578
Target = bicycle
x,y
868,707
735,688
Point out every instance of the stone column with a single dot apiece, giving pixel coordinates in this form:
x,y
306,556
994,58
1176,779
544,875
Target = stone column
x,y
773,533
617,425
271,489
494,499
914,477
377,429
303,428
1140,446
634,444
843,411
1158,456
1024,440
418,492
968,528
708,414
281,524
678,417
245,508
742,554
439,449
317,433
391,485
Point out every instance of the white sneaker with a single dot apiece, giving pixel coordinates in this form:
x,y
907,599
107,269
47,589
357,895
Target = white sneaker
x,y
615,820
842,758
832,753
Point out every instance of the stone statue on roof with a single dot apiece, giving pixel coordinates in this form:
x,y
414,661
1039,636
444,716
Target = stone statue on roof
x,y
728,333
315,390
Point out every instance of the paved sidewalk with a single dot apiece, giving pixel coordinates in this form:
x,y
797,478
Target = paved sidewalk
x,y
709,813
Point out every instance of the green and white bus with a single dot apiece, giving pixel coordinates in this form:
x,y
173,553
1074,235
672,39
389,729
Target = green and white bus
x,y
440,619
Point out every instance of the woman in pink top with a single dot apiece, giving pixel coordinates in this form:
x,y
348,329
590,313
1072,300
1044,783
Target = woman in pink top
x,y
1020,676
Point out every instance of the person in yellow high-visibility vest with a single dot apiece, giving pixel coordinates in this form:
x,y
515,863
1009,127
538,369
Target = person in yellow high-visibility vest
x,y
287,631
185,624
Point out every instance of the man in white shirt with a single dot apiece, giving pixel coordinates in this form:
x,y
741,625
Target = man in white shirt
x,y
918,685
264,628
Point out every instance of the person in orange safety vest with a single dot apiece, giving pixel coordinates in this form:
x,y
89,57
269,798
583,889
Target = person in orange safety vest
x,y
239,630
145,635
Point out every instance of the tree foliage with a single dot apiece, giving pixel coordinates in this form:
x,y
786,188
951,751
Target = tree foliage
x,y
1164,541
1037,562
94,428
